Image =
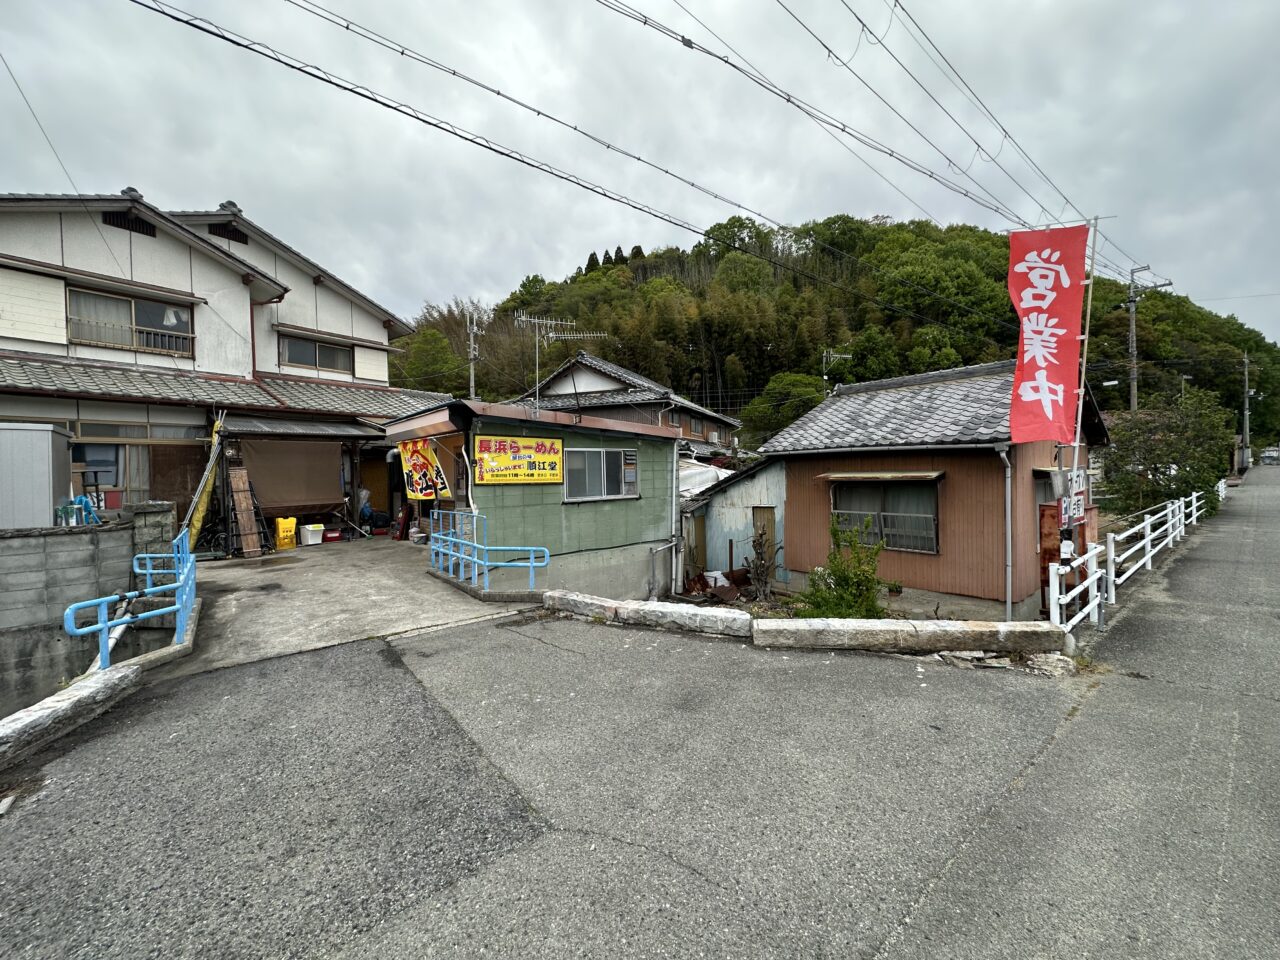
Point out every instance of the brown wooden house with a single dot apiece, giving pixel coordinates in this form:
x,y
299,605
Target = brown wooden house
x,y
928,459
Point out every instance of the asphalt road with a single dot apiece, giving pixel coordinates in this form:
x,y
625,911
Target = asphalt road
x,y
557,789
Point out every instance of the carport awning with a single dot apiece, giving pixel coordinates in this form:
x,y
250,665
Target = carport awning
x,y
240,425
883,475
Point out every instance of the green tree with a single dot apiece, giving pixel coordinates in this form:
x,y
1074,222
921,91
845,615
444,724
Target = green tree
x,y
637,253
593,263
786,398
619,256
427,363
1170,448
607,261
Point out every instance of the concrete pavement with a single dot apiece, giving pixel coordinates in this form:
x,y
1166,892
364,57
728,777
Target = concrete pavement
x,y
318,596
553,789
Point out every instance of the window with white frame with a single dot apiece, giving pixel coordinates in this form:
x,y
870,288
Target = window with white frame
x,y
902,513
131,323
601,474
297,352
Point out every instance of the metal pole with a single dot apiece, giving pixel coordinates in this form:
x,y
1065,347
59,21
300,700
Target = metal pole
x,y
1084,346
1008,533
1244,453
1133,337
472,355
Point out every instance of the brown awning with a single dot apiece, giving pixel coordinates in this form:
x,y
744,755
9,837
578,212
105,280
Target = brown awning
x,y
883,475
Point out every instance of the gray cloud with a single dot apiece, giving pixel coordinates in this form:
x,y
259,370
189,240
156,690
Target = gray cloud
x,y
1161,114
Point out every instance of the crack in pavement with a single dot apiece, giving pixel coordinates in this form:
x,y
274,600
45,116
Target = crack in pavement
x,y
637,845
544,642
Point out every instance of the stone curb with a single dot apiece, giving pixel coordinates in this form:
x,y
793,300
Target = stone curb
x,y
913,636
894,636
28,730
651,613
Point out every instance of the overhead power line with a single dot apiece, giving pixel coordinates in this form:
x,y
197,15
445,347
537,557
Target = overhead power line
x,y
952,163
821,126
209,28
67,173
840,126
981,105
344,23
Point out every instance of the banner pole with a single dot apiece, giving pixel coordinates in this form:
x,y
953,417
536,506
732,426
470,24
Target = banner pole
x,y
1084,345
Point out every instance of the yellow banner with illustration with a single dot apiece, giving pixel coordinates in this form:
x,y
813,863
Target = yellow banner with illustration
x,y
423,477
519,460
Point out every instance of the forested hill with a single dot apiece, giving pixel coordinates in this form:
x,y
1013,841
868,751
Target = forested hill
x,y
717,322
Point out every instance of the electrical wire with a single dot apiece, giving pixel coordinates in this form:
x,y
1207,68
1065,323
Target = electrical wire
x,y
1012,214
209,28
622,9
982,106
65,171
835,139
338,20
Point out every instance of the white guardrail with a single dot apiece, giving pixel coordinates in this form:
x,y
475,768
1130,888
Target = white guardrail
x,y
1082,588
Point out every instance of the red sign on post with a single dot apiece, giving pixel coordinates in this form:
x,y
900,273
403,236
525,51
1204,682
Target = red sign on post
x,y
1046,284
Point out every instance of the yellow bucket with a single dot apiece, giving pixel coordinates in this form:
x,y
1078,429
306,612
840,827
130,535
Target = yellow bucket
x,y
286,533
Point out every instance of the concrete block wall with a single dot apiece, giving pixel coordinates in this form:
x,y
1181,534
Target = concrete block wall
x,y
44,570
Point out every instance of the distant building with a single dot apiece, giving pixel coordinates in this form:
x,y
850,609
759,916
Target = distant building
x,y
585,382
920,456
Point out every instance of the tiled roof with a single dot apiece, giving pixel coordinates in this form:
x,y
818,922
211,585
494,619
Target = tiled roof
x,y
639,390
341,398
27,373
964,405
137,383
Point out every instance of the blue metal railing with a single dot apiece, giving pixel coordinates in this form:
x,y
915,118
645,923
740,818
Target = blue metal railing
x,y
459,545
178,566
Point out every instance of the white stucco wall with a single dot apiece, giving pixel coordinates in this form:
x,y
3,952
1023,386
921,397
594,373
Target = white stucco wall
x,y
81,241
581,381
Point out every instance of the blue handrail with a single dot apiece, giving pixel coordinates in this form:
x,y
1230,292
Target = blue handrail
x,y
179,565
459,547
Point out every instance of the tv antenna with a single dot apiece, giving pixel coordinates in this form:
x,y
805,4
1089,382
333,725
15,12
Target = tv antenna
x,y
546,330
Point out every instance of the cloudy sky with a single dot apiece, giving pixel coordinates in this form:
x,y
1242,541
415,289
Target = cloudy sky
x,y
1159,114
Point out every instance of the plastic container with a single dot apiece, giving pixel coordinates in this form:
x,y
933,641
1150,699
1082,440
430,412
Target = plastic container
x,y
286,533
310,534
332,536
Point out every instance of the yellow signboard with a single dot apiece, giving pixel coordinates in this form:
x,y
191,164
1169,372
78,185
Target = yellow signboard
x,y
423,477
519,460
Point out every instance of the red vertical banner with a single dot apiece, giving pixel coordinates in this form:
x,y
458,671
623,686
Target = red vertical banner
x,y
1046,285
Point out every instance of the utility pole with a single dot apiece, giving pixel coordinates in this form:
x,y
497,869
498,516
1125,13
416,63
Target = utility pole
x,y
473,352
1134,290
1245,459
829,359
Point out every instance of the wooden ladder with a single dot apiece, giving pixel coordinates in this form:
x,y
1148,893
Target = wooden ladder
x,y
244,512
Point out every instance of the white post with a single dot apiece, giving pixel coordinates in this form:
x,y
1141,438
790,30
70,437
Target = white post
x,y
1111,568
1055,608
1170,526
1195,510
1146,541
1091,570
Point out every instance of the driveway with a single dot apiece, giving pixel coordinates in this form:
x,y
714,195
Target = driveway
x,y
319,596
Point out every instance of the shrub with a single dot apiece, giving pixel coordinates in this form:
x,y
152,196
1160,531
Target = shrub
x,y
848,586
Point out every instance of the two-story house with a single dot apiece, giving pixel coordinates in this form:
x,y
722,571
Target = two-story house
x,y
586,382
131,327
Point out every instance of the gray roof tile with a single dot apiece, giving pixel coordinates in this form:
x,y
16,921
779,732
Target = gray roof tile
x,y
964,405
26,373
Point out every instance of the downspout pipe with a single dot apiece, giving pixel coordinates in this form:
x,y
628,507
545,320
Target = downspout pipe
x,y
1003,450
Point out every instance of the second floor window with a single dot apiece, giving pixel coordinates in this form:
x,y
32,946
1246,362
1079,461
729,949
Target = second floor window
x,y
129,323
695,426
296,352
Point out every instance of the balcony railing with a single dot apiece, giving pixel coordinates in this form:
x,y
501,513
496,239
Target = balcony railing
x,y
100,334
914,532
